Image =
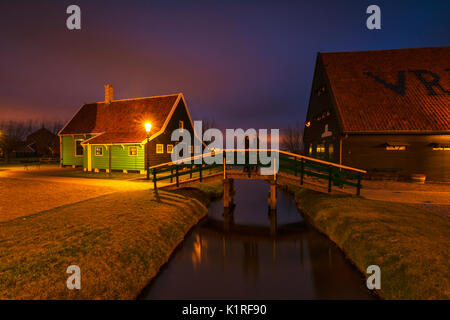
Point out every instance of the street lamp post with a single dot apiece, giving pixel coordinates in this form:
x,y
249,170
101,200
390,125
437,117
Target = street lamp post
x,y
148,127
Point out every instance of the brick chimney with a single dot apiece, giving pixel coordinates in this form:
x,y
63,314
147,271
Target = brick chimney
x,y
109,93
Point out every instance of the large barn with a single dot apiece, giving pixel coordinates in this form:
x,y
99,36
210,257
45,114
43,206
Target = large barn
x,y
387,111
111,135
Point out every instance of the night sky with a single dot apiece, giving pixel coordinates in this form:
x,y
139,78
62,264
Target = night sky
x,y
243,63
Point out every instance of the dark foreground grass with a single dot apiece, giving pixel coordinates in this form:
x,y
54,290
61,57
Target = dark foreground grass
x,y
119,240
411,246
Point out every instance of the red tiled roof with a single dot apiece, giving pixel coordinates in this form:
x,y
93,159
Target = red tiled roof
x,y
371,98
121,121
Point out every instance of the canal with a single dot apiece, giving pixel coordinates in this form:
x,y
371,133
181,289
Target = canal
x,y
251,254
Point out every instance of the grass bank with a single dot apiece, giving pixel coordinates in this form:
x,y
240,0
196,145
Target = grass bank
x,y
119,241
411,245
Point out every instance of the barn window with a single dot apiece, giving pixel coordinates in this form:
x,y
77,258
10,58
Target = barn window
x,y
98,151
78,148
132,151
169,148
181,125
321,91
440,147
320,148
320,151
330,151
395,148
159,148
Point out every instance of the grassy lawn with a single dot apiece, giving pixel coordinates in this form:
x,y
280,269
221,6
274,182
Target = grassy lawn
x,y
411,245
118,240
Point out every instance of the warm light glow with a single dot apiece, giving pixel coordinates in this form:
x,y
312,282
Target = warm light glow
x,y
308,124
148,127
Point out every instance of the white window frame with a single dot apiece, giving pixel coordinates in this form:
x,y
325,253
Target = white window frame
x,y
75,146
129,151
95,151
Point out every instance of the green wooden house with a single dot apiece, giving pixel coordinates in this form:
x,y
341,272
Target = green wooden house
x,y
110,135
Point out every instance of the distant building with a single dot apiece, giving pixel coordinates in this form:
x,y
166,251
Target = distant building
x,y
385,111
111,134
23,150
44,142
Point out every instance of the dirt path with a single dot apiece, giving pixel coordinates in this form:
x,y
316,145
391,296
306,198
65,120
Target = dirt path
x,y
26,192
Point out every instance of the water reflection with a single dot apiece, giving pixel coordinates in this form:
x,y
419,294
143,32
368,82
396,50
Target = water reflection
x,y
250,252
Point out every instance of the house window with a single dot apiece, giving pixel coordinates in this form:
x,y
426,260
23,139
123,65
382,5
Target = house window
x,y
396,148
98,151
169,148
181,125
132,151
78,148
159,148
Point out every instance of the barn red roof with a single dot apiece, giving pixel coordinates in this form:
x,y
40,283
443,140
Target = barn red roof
x,y
121,121
391,90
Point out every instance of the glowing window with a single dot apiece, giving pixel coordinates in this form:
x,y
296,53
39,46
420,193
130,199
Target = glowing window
x,y
441,148
169,148
395,148
132,151
159,148
330,151
320,148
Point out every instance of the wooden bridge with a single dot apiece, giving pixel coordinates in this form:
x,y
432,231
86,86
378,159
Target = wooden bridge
x,y
295,169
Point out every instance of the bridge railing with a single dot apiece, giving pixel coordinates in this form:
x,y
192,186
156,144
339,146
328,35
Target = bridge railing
x,y
337,175
289,163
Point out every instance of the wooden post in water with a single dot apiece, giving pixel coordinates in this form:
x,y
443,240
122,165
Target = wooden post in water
x,y
273,195
226,193
273,222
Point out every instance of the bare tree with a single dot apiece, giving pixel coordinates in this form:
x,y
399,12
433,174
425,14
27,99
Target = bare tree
x,y
12,133
292,139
